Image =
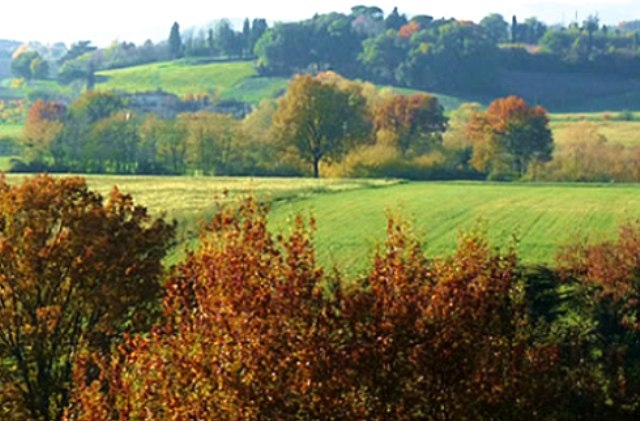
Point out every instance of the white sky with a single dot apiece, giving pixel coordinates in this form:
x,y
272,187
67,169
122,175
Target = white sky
x,y
137,20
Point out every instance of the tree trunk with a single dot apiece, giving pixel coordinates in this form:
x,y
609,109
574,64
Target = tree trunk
x,y
316,168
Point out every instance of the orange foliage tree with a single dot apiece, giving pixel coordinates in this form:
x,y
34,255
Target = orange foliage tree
x,y
406,31
74,273
42,125
509,135
247,334
415,121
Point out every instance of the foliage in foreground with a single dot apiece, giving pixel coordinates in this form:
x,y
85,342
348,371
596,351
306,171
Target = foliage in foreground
x,y
74,273
254,329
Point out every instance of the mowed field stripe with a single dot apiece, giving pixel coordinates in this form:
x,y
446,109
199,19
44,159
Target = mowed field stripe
x,y
543,217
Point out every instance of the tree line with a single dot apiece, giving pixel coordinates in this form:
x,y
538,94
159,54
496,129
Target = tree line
x,y
324,123
446,55
249,326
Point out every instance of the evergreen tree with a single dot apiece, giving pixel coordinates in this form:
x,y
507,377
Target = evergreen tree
x,y
395,20
175,41
246,38
258,28
211,43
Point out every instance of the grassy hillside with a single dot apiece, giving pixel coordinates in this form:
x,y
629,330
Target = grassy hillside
x,y
230,80
558,92
543,216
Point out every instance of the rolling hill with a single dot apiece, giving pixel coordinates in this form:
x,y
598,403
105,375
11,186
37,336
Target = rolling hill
x,y
229,80
237,80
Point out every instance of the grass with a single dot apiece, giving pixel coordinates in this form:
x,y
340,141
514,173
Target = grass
x,y
544,217
230,80
622,132
351,214
5,162
190,200
10,130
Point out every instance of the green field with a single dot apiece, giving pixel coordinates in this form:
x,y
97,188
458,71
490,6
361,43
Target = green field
x,y
544,217
350,214
230,80
10,130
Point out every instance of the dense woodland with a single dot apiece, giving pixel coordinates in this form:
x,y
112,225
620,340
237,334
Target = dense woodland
x,y
445,55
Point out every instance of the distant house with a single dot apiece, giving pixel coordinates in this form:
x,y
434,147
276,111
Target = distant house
x,y
160,103
167,105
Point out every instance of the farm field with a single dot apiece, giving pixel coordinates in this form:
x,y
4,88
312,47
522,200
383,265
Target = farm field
x,y
190,198
351,214
543,217
622,132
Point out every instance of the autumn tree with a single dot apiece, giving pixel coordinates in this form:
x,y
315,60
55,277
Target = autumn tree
x,y
456,136
208,140
163,142
247,334
74,273
510,135
42,125
320,120
70,149
416,121
258,153
113,144
583,154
